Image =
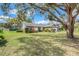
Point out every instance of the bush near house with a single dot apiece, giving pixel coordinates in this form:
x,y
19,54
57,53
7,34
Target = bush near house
x,y
12,29
18,30
47,30
1,31
28,30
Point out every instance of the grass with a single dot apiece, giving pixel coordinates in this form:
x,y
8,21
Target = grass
x,y
39,44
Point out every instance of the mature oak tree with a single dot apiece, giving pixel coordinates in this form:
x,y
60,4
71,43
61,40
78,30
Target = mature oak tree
x,y
71,11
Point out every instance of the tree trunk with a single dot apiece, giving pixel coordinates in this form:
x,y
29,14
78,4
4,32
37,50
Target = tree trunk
x,y
70,24
70,33
69,27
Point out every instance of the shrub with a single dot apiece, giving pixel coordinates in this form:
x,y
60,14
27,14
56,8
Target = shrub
x,y
2,41
1,31
47,30
19,31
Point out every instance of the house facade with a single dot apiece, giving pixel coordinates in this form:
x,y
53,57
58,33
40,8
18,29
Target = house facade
x,y
40,27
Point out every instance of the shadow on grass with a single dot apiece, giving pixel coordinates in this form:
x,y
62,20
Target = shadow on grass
x,y
75,44
56,38
36,47
2,41
63,40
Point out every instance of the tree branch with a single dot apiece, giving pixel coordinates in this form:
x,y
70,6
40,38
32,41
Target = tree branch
x,y
46,9
59,6
75,15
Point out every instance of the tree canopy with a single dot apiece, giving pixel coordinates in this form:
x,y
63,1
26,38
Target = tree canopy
x,y
65,13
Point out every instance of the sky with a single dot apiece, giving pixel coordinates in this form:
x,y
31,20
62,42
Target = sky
x,y
12,13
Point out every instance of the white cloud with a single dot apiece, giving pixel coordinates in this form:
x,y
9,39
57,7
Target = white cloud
x,y
14,11
42,22
4,17
28,13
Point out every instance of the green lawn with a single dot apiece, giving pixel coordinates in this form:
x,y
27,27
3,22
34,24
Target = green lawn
x,y
42,43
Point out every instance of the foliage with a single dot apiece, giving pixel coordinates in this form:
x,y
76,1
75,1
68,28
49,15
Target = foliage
x,y
5,8
48,30
1,31
2,41
53,10
29,20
